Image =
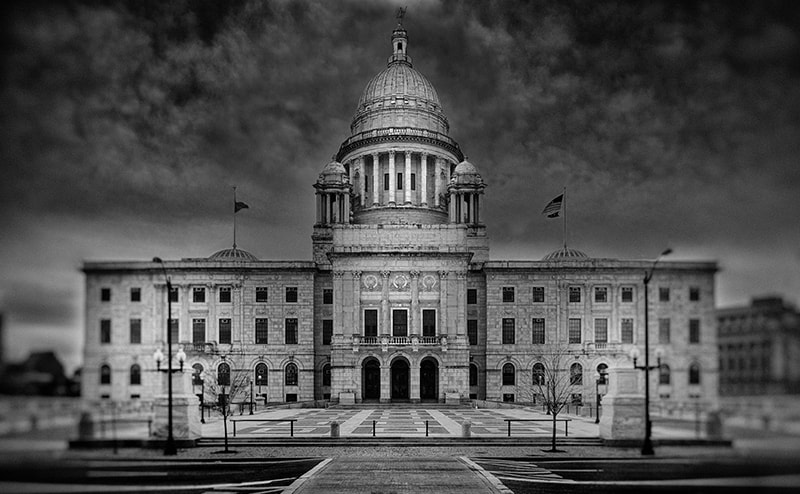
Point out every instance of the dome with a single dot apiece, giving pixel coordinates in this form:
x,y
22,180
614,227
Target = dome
x,y
466,173
234,254
399,81
333,172
565,254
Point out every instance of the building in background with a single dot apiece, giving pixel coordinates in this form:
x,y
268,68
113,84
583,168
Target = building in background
x,y
401,301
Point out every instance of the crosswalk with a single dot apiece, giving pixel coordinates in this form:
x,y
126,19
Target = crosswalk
x,y
517,470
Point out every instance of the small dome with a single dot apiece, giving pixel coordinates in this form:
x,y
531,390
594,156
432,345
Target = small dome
x,y
334,172
565,254
234,254
465,167
466,173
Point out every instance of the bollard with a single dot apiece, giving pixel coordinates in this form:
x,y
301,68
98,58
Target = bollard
x,y
466,429
714,425
86,427
334,429
373,428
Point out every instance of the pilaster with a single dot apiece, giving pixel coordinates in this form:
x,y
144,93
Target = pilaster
x,y
376,173
392,179
423,171
407,179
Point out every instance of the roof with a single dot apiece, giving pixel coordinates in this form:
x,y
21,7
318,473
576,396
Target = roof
x,y
234,254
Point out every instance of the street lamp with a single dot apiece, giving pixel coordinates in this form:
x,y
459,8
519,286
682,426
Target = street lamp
x,y
251,395
647,445
599,378
198,382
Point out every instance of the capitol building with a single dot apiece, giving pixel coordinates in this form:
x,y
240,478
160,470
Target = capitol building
x,y
401,301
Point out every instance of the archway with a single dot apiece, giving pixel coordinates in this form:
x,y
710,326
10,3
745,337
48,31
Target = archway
x,y
429,379
371,380
400,380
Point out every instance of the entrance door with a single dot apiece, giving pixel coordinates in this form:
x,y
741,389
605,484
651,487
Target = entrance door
x,y
429,380
400,378
372,380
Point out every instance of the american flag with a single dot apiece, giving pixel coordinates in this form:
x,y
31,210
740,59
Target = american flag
x,y
553,207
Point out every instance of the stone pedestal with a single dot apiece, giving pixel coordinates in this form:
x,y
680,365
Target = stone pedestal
x,y
452,398
623,407
185,410
347,398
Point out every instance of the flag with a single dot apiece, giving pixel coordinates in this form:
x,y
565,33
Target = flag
x,y
553,207
239,205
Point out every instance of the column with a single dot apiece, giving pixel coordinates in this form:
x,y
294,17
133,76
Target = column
x,y
437,180
392,179
338,292
357,325
363,184
461,326
346,200
376,173
212,334
385,319
443,302
407,178
475,217
416,327
423,170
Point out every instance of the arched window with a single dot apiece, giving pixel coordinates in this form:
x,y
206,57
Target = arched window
x,y
136,375
197,374
473,375
602,369
576,374
262,374
291,375
105,374
663,374
326,375
224,374
538,374
508,375
694,373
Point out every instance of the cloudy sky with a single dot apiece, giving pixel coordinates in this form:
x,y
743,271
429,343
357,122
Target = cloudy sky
x,y
124,125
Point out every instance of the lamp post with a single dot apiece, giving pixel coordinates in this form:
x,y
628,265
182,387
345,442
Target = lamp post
x,y
199,382
598,380
251,395
647,445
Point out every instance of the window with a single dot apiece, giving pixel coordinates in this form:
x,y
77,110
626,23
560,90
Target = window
x,y
291,397
385,181
136,331
663,331
694,293
663,374
327,296
627,294
136,294
574,294
399,181
694,373
262,294
537,328
198,295
574,330
225,331
601,294
508,397
508,331
105,295
472,296
538,374
262,331
224,294
291,375
291,331
576,399
473,375
105,374
326,375
399,322
371,322
291,294
538,294
694,330
197,374
508,375
327,331
198,330
262,374
626,331
105,331
136,375
428,322
601,330
472,331
224,374
576,374
173,295
663,294
508,294
174,332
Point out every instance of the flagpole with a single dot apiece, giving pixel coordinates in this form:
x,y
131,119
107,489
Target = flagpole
x,y
234,216
565,217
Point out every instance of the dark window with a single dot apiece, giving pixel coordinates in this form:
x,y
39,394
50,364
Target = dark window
x,y
694,330
326,375
262,294
508,294
413,181
574,294
663,374
291,294
262,331
627,294
225,294
472,296
600,294
105,331
105,295
601,330
576,374
225,330
508,375
262,375
428,322
472,331
574,330
291,375
663,294
198,330
508,397
694,373
626,331
694,293
508,331
136,331
385,181
371,322
538,374
399,181
224,374
537,328
174,330
291,331
473,375
291,397
327,296
198,294
327,331
105,374
173,295
399,322
538,294
136,294
576,399
136,375
663,331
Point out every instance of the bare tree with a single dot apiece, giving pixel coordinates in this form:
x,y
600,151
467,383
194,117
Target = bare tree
x,y
552,382
230,380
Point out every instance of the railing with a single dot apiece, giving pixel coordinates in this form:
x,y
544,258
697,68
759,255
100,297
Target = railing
x,y
397,340
429,340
